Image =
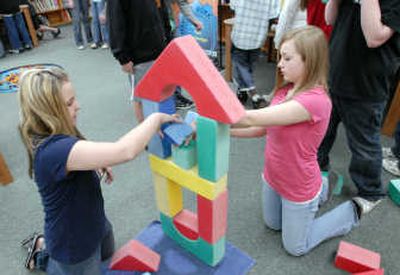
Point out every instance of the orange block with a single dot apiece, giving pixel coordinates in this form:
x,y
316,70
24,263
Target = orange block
x,y
134,256
353,258
184,63
212,217
186,223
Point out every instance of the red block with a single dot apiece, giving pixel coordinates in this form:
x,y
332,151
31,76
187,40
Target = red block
x,y
371,272
184,63
355,259
186,223
212,217
134,256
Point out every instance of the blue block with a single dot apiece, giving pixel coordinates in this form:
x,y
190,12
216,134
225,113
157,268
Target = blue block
x,y
177,132
190,117
157,146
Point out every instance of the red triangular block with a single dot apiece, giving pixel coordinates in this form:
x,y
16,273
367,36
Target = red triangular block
x,y
186,223
134,256
372,272
353,258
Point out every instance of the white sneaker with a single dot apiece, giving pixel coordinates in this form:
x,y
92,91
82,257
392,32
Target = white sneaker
x,y
81,47
387,152
105,46
365,206
93,46
391,165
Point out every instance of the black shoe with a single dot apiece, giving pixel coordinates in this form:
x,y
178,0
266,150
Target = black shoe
x,y
182,102
242,96
259,101
56,33
28,47
39,35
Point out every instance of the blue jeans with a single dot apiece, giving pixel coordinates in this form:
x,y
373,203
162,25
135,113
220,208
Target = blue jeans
x,y
100,31
80,14
362,122
16,31
2,52
301,231
243,66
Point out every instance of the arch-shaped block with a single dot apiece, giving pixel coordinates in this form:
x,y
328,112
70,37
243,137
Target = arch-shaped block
x,y
184,63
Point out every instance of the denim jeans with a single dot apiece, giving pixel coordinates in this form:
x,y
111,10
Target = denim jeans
x,y
243,66
396,147
362,122
301,231
2,51
80,14
100,30
16,31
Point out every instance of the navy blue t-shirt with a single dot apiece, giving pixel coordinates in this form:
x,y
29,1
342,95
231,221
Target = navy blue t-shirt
x,y
73,203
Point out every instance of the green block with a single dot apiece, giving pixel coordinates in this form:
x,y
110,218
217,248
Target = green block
x,y
185,155
213,142
338,185
210,254
394,191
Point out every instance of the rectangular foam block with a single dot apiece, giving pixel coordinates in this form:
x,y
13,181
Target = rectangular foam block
x,y
353,258
188,178
380,271
177,132
394,191
168,195
190,117
185,155
213,140
213,216
210,254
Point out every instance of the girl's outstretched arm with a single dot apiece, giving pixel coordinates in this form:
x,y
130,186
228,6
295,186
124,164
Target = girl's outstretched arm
x,y
89,155
290,112
250,132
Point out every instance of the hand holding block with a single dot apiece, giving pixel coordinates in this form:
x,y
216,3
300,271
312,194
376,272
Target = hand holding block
x,y
134,256
178,132
353,258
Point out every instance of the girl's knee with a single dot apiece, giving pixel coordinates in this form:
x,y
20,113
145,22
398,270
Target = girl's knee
x,y
274,225
294,249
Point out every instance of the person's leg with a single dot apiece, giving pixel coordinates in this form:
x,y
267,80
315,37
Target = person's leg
x,y
20,22
76,22
241,72
12,32
103,26
330,137
2,51
301,232
96,23
271,206
139,71
362,121
396,147
85,20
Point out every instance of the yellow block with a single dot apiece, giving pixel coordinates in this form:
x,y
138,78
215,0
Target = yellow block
x,y
188,178
168,196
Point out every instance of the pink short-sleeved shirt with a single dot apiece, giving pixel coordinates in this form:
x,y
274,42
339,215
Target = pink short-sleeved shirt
x,y
291,166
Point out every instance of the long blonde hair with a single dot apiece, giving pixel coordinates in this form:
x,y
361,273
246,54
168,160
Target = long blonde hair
x,y
43,111
311,44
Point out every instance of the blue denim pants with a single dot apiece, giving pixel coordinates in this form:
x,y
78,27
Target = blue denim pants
x,y
243,65
362,121
16,31
301,231
80,15
100,30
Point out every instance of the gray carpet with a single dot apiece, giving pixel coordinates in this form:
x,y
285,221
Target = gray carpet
x,y
106,114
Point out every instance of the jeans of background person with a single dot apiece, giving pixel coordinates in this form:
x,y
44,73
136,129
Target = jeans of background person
x,y
80,15
243,66
100,30
301,231
362,122
16,31
2,51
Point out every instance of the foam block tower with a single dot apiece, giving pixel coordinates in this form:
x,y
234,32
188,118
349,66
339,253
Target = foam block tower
x,y
201,167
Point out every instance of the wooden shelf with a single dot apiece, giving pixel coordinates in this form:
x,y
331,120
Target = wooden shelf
x,y
55,13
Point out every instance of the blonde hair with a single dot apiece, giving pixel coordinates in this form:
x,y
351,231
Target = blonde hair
x,y
43,111
310,42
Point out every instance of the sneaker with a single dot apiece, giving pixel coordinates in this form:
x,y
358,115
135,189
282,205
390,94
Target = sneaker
x,y
182,102
242,96
259,101
81,47
391,165
364,206
16,51
56,33
387,152
105,46
93,46
28,47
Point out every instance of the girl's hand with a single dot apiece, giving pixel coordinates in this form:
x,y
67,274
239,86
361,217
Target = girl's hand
x,y
165,118
108,174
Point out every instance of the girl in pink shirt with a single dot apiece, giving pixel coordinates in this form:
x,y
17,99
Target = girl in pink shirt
x,y
296,122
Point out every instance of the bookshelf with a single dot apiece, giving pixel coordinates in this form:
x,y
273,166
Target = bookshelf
x,y
54,11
